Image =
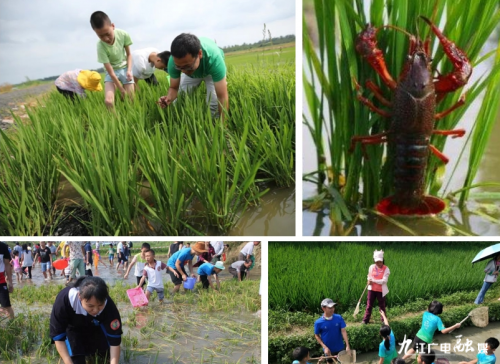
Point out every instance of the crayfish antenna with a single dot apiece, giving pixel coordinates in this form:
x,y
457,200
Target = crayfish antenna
x,y
398,29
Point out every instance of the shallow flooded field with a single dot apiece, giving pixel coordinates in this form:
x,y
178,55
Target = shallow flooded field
x,y
191,327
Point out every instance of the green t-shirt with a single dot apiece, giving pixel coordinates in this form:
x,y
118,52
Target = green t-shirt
x,y
115,53
111,251
211,63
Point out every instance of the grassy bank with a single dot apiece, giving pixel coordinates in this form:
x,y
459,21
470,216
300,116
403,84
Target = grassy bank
x,y
144,170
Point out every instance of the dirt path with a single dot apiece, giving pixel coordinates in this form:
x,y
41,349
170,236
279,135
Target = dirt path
x,y
12,100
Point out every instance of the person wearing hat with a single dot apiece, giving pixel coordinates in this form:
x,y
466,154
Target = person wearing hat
x,y
176,263
378,275
329,330
75,82
206,270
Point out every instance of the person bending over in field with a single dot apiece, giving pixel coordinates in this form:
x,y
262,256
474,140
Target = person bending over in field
x,y
73,83
239,269
206,271
430,323
176,263
194,60
113,51
85,322
145,61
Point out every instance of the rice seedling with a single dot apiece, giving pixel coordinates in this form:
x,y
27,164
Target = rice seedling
x,y
347,182
326,266
144,170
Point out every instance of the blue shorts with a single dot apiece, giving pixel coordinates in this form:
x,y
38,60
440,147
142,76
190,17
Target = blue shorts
x,y
122,76
159,291
45,266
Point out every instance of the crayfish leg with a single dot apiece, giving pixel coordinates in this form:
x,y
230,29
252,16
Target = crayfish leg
x,y
428,205
366,45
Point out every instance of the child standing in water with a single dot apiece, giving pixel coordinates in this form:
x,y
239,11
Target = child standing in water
x,y
111,253
17,265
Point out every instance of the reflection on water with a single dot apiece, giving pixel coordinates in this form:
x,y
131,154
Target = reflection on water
x,y
274,216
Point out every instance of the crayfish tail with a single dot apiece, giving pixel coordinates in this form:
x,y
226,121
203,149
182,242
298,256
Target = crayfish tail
x,y
428,205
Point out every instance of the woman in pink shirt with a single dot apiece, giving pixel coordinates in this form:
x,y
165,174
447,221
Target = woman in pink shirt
x,y
378,275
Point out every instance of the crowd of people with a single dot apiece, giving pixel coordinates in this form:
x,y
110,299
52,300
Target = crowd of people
x,y
84,319
331,334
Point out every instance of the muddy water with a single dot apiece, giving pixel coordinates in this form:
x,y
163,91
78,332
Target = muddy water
x,y
479,217
112,276
275,216
475,334
175,333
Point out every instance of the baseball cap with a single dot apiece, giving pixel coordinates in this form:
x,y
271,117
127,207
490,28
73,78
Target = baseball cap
x,y
327,302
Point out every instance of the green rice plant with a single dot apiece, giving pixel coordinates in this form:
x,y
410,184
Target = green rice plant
x,y
140,169
339,271
335,115
28,176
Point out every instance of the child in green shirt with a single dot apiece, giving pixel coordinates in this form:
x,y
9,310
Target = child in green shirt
x,y
113,51
111,253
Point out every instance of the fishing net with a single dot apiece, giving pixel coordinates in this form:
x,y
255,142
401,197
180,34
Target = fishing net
x,y
479,316
347,356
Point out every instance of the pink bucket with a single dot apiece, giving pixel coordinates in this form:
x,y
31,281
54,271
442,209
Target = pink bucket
x,y
137,297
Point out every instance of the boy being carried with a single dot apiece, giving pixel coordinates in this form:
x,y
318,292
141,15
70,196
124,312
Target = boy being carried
x,y
113,51
152,271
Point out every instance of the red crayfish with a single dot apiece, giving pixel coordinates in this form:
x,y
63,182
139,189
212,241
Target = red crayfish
x,y
413,115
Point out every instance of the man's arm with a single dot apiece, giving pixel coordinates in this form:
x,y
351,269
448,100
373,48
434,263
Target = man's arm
x,y
130,267
239,275
172,92
111,74
190,265
129,63
326,350
222,97
346,339
179,269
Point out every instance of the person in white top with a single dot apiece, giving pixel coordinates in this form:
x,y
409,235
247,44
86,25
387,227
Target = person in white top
x,y
152,271
144,62
219,249
378,275
247,250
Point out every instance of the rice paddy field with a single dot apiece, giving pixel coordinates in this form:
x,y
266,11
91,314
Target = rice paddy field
x,y
192,327
302,274
143,170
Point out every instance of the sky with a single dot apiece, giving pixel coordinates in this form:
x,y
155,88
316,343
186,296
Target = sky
x,y
43,38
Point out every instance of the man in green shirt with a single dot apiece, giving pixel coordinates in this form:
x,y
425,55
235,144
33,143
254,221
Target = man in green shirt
x,y
113,51
194,60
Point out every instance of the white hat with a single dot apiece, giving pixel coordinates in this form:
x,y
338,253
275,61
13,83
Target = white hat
x,y
327,302
378,256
